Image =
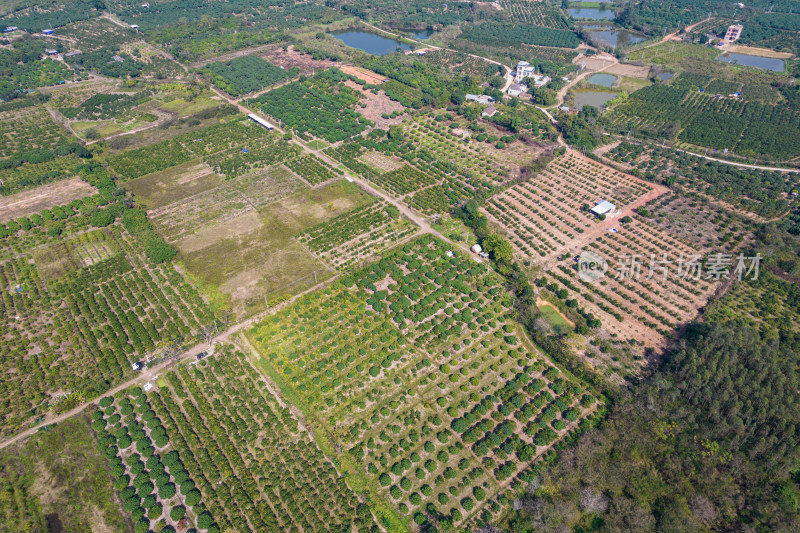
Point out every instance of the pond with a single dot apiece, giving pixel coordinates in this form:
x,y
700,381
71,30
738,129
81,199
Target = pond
x,y
664,76
614,38
422,35
604,80
767,63
369,42
591,13
591,97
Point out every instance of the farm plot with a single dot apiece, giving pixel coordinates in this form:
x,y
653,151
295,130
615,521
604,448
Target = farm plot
x,y
30,175
44,197
148,159
313,169
66,454
246,74
229,200
181,181
764,193
76,313
225,453
231,149
358,234
28,129
241,259
106,105
321,106
238,147
544,217
435,399
713,121
536,13
291,58
377,107
696,220
634,300
154,485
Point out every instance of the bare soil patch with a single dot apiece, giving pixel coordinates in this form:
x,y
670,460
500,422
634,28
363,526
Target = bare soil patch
x,y
292,58
363,74
44,197
755,51
378,105
632,71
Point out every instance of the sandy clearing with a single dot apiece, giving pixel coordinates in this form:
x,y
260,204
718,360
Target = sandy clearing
x,y
363,74
44,197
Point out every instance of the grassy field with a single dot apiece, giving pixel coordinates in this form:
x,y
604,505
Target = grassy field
x,y
554,318
58,481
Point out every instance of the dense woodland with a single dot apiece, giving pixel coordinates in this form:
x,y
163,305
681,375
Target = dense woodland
x,y
708,441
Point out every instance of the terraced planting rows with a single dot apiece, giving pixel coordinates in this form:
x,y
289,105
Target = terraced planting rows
x,y
358,234
227,201
631,302
254,466
77,330
542,217
434,398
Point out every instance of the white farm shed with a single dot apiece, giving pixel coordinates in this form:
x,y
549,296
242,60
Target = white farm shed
x,y
260,121
476,248
603,208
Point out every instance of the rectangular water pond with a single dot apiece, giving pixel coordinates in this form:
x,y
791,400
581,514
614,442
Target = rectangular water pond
x,y
591,13
766,63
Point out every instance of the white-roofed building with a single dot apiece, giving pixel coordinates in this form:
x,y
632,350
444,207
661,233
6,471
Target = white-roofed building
x,y
260,121
603,208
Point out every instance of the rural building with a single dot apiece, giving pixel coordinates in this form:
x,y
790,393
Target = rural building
x,y
118,59
134,26
51,51
604,208
484,99
525,70
147,387
47,32
490,111
73,53
516,89
733,33
260,121
476,248
421,52
9,29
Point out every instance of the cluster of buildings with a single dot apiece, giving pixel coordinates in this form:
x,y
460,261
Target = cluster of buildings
x,y
523,71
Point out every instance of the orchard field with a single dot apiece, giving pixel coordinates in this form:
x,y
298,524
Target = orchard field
x,y
438,403
214,448
549,214
81,304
